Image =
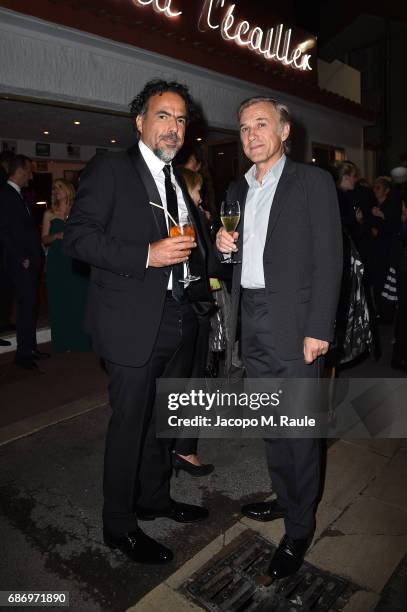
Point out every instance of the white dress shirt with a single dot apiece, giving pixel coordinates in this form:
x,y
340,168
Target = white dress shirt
x,y
156,167
15,186
258,205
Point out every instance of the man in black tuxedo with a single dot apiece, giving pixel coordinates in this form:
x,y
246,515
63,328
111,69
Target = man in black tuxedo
x,y
140,316
22,258
6,286
289,241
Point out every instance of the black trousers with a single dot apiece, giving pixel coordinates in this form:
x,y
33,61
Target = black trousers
x,y
26,291
189,446
6,299
294,464
137,466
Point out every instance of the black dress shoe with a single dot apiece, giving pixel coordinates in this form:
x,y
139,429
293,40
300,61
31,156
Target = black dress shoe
x,y
178,512
263,511
288,557
26,363
139,547
40,355
4,342
179,463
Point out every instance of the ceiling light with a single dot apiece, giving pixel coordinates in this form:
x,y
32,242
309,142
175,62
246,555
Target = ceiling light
x,y
41,203
221,153
77,122
46,132
199,139
113,141
313,160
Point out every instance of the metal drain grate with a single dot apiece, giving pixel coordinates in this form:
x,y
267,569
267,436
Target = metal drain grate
x,y
233,583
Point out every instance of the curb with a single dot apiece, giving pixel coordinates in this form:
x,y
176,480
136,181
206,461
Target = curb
x,y
32,425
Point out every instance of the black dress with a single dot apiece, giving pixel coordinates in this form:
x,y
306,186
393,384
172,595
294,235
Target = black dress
x,y
383,244
67,286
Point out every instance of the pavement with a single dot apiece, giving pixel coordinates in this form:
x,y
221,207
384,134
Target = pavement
x,y
52,428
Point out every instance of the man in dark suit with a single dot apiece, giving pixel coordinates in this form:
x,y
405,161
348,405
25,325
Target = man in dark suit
x,y
140,316
289,241
6,286
22,258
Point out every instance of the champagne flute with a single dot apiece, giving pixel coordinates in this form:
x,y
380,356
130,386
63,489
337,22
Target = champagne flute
x,y
185,228
230,217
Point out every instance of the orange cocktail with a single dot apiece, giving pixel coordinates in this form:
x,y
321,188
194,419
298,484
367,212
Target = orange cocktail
x,y
183,230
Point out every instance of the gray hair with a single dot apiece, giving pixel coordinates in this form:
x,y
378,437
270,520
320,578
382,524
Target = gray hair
x,y
281,110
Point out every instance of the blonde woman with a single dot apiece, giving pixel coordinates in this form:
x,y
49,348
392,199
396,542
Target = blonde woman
x,y
66,279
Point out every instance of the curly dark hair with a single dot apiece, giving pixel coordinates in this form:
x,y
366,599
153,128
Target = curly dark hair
x,y
139,105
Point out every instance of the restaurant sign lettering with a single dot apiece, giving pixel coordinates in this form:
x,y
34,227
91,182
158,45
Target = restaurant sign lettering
x,y
273,44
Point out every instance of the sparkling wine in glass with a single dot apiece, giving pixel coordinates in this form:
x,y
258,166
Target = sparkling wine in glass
x,y
185,228
230,217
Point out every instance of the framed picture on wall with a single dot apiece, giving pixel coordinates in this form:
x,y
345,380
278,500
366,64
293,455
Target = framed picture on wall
x,y
42,166
9,145
72,176
42,149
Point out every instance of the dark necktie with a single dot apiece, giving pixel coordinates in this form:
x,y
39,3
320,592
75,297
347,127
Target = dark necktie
x,y
172,207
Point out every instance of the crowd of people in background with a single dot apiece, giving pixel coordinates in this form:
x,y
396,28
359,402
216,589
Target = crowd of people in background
x,y
374,284
374,232
30,254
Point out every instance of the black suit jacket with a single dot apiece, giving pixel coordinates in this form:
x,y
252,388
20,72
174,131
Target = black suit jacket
x,y
18,234
110,227
302,258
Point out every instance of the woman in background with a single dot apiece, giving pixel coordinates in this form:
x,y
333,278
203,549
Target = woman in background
x,y
385,227
353,326
184,455
66,278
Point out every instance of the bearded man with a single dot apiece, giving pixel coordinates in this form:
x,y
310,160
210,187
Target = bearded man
x,y
140,315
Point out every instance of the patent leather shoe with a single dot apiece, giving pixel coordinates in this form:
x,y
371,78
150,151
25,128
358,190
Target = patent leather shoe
x,y
288,557
4,342
139,547
179,463
263,511
178,512
40,354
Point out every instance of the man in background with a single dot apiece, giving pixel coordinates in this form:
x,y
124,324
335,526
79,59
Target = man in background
x,y
6,286
22,250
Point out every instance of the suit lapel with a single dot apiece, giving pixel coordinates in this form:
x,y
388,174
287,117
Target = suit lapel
x,y
280,196
151,189
18,196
